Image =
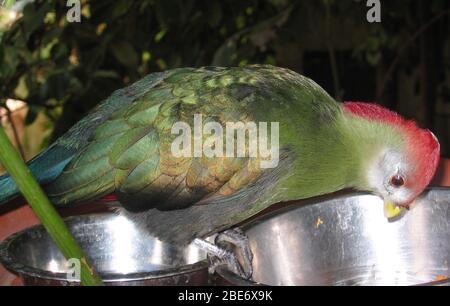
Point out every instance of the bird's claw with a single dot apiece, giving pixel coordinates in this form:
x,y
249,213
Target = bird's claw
x,y
230,261
224,250
238,239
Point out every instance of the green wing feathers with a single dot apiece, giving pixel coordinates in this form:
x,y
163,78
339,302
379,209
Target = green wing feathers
x,y
129,153
124,145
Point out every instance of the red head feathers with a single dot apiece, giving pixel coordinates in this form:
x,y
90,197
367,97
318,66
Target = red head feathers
x,y
422,146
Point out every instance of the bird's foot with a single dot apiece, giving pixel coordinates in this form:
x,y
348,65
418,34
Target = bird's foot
x,y
238,239
223,252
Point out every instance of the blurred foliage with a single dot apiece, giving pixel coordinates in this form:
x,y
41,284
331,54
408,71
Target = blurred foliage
x,y
65,68
49,62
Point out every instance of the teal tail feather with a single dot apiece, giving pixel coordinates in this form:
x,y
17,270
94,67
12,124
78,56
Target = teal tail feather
x,y
8,189
45,167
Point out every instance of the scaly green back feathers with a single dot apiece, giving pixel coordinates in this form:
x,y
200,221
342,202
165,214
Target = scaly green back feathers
x,y
124,146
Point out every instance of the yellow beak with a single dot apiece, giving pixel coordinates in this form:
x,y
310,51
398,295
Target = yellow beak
x,y
391,210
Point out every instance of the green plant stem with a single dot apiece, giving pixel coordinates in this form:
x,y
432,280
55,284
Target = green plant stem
x,y
44,209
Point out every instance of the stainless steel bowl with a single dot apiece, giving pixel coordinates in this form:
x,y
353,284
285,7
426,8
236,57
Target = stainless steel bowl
x,y
347,241
122,255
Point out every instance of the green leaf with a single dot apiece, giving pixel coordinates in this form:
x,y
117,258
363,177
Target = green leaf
x,y
120,8
240,22
8,62
32,18
223,55
21,90
215,14
160,35
106,74
373,58
125,54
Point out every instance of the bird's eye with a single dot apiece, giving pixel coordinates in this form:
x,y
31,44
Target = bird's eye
x,y
397,181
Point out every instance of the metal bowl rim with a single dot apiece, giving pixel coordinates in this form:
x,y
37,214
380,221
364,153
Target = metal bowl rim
x,y
21,269
315,201
236,279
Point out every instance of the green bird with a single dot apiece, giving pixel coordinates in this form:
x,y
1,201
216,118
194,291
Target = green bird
x,y
132,145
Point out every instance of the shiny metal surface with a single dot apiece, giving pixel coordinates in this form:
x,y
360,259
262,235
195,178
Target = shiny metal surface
x,y
121,254
347,241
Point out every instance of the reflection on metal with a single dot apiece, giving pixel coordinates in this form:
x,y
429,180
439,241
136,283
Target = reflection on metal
x,y
120,252
354,244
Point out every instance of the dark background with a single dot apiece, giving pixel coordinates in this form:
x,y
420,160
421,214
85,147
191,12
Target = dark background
x,y
64,69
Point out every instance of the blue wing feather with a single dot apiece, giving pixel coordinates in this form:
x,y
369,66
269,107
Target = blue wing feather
x,y
45,167
48,165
